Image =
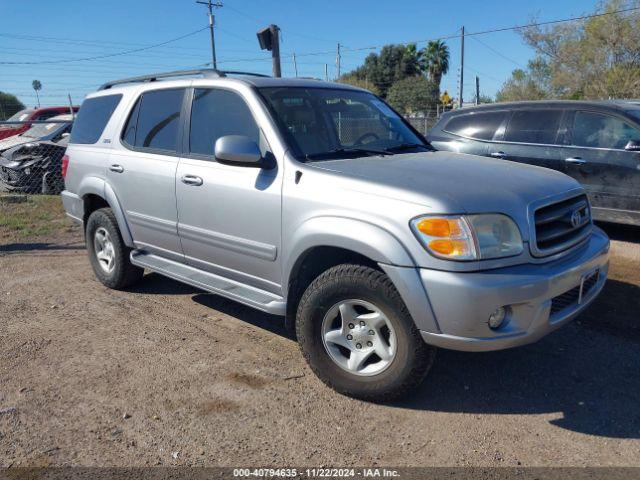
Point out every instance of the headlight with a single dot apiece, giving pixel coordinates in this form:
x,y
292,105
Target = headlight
x,y
469,237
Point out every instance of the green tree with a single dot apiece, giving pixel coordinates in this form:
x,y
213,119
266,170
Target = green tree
x,y
9,105
362,83
37,86
435,60
393,63
413,95
597,58
529,84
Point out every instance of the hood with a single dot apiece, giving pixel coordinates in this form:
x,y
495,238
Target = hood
x,y
460,183
13,141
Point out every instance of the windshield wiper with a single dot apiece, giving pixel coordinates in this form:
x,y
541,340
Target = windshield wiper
x,y
406,146
338,152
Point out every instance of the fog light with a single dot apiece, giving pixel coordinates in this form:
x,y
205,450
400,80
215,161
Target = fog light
x,y
496,319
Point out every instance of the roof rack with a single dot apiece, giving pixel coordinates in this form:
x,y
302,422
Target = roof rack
x,y
206,72
251,74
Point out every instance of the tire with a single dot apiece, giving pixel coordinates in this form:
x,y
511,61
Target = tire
x,y
114,270
369,295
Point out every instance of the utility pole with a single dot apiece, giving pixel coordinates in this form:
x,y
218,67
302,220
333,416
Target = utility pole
x,y
73,115
295,65
477,90
326,72
275,53
211,5
338,61
269,39
461,66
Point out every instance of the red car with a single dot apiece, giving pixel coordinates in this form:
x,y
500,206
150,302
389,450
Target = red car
x,y
29,115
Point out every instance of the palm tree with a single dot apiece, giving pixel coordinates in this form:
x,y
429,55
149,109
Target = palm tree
x,y
435,58
36,85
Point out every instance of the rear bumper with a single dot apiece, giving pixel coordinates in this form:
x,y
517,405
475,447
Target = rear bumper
x,y
462,302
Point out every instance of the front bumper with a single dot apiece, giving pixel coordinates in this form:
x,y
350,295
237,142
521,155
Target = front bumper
x,y
462,302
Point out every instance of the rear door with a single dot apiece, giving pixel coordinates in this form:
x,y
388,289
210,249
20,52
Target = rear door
x,y
142,170
468,132
532,136
597,158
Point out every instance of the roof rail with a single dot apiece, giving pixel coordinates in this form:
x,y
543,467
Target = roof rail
x,y
251,74
207,72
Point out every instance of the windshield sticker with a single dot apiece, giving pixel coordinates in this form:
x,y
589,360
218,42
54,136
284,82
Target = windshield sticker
x,y
383,108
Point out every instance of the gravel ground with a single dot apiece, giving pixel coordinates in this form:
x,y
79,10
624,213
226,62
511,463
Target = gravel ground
x,y
167,375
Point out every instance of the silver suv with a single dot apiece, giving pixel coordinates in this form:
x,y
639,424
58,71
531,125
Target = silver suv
x,y
318,202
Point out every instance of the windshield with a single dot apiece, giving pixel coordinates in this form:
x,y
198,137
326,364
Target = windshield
x,y
40,130
21,116
635,113
322,123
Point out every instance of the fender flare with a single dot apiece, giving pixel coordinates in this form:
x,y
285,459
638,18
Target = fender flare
x,y
98,186
356,235
375,243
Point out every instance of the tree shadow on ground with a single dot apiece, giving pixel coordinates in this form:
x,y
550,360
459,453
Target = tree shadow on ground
x,y
622,233
588,373
39,246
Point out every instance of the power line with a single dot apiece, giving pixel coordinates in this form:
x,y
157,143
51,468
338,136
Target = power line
x,y
98,57
500,54
505,29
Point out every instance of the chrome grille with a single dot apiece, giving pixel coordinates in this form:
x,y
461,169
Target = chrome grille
x,y
562,225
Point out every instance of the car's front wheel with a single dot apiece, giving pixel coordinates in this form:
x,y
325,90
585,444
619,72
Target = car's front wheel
x,y
108,254
358,337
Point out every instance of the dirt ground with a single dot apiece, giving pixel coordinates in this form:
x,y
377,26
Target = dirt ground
x,y
167,375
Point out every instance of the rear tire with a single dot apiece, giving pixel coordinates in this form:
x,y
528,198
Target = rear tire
x,y
108,254
380,355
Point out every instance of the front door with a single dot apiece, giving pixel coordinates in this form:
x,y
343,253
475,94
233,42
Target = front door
x,y
597,158
142,169
229,216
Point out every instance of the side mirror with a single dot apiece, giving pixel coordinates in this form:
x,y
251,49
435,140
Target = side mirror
x,y
238,150
633,146
65,135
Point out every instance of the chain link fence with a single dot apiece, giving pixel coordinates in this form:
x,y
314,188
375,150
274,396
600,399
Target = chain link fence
x,y
31,154
423,123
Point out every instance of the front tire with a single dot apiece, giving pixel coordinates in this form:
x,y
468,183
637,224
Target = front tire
x,y
358,337
108,254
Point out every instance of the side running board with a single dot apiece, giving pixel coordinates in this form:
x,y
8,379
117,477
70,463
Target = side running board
x,y
254,297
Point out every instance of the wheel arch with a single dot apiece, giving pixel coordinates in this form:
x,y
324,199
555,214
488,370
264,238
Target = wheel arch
x,y
323,242
96,193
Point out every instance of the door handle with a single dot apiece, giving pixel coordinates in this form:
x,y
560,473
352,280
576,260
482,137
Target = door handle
x,y
192,180
116,168
575,160
498,154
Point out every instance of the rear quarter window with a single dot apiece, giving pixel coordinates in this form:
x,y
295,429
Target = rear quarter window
x,y
93,116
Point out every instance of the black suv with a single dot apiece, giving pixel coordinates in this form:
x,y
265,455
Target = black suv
x,y
597,143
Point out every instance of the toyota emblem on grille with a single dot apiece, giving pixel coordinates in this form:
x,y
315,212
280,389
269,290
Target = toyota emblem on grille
x,y
576,218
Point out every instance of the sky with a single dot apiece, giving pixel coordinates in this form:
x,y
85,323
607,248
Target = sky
x,y
47,31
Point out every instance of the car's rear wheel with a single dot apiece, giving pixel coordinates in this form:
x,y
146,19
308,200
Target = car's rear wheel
x,y
108,254
358,337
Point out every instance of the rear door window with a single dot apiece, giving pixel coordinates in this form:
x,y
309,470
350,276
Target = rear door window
x,y
534,126
92,118
154,122
597,130
479,125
